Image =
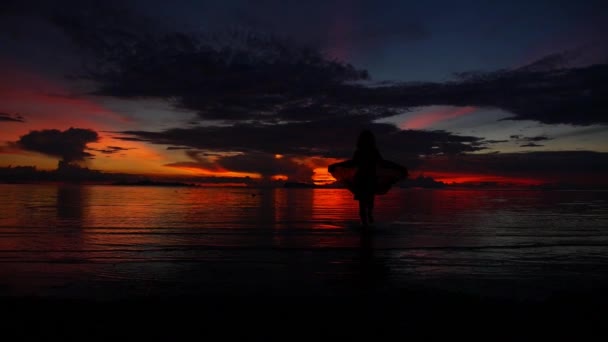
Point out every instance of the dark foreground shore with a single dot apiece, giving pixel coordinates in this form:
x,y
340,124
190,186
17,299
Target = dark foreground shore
x,y
408,315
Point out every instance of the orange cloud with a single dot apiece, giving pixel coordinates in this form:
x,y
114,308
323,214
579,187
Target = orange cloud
x,y
456,177
194,169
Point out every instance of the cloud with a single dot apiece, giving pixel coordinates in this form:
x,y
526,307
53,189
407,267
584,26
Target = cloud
x,y
251,164
11,117
568,166
574,96
231,76
429,118
529,141
252,147
111,149
267,165
69,145
178,148
276,97
333,137
555,61
244,76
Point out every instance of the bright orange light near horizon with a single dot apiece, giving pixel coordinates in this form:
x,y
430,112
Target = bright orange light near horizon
x,y
220,173
279,177
463,178
321,176
319,167
278,156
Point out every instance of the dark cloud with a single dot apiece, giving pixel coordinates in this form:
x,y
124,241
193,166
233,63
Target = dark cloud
x,y
130,138
529,141
232,76
264,164
577,96
111,149
247,76
69,145
538,138
555,61
178,148
267,165
195,165
200,159
548,165
252,147
329,138
11,117
495,141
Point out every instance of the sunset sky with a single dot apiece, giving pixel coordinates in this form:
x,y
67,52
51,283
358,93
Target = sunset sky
x,y
463,91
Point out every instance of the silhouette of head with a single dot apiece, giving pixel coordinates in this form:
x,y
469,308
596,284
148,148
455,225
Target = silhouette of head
x,y
366,140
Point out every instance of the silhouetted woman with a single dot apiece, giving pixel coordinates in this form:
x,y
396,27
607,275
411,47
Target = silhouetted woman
x,y
366,159
367,174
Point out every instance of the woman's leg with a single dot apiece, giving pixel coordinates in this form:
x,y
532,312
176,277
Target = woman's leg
x,y
363,210
370,209
366,207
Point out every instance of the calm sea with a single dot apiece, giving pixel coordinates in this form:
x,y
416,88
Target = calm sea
x,y
109,241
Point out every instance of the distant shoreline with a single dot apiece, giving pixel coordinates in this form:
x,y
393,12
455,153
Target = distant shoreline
x,y
67,174
155,183
308,186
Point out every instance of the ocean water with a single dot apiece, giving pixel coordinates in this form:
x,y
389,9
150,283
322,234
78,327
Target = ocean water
x,y
113,241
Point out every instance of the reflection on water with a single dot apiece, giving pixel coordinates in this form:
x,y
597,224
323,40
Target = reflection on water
x,y
72,201
293,238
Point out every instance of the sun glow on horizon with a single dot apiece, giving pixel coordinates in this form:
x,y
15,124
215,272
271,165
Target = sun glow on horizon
x,y
321,176
197,171
279,177
462,178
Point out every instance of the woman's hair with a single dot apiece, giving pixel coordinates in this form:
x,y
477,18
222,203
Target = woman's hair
x,y
366,140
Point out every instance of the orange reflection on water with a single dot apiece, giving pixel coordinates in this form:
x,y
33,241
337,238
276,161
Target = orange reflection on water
x,y
331,206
